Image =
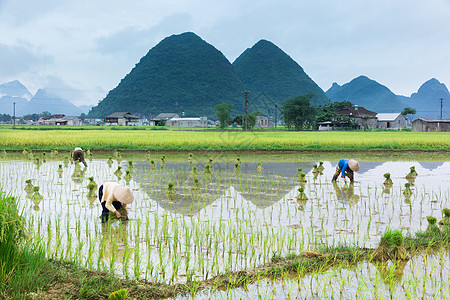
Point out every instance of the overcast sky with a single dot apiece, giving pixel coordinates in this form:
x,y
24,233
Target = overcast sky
x,y
92,44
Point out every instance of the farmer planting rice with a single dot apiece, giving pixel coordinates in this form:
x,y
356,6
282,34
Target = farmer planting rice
x,y
346,167
78,155
114,197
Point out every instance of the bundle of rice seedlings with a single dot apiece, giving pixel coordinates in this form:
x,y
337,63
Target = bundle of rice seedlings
x,y
36,197
301,194
207,169
407,191
127,176
237,168
259,168
301,178
196,185
321,167
315,169
118,172
130,165
152,164
390,247
446,219
29,187
92,187
388,182
412,173
433,230
123,215
194,173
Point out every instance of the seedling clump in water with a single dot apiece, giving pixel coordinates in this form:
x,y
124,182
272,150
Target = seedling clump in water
x,y
433,230
407,191
388,182
259,168
321,167
412,173
301,194
446,219
390,247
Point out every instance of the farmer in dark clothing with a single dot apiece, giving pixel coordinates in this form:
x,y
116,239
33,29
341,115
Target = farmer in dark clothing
x,y
113,197
346,167
78,155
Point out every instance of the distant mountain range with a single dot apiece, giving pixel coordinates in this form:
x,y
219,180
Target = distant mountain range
x,y
183,73
43,100
374,96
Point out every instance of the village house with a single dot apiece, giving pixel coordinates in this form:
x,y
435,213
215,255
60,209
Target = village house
x,y
365,118
162,118
391,121
60,119
263,121
188,122
430,125
121,119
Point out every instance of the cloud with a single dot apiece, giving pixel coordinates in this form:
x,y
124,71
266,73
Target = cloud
x,y
15,60
138,41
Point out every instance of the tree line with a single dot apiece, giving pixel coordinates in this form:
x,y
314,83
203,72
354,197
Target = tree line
x,y
298,114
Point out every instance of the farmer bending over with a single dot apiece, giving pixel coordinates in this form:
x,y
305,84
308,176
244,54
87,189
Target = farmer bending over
x,y
346,167
78,155
113,197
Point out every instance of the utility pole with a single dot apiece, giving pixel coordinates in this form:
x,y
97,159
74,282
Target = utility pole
x,y
14,115
246,104
276,108
442,100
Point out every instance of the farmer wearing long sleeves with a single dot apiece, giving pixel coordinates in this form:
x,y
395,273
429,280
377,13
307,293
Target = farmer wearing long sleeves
x,y
113,197
78,155
346,167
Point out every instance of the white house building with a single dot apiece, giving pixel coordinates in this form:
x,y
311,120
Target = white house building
x,y
391,121
121,119
187,122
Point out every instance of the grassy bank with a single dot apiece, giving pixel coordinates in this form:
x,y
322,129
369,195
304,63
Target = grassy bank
x,y
176,140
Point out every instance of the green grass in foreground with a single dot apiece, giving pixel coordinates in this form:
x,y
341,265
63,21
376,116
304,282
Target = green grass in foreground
x,y
176,140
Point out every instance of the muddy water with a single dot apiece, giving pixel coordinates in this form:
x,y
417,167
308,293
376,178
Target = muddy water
x,y
234,219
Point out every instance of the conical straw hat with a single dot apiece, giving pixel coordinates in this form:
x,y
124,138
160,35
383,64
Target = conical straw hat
x,y
354,165
123,194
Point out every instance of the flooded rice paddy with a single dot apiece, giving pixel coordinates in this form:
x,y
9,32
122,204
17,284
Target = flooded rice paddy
x,y
236,217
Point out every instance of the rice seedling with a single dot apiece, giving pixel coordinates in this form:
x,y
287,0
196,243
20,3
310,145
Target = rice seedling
x,y
388,181
229,224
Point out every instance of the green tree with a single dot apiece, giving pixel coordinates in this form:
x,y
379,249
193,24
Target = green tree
x,y
298,112
328,112
239,120
222,112
408,111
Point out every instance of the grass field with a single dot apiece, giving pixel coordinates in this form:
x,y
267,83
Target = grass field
x,y
176,140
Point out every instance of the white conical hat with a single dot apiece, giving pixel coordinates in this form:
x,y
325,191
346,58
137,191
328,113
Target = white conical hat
x,y
353,165
123,194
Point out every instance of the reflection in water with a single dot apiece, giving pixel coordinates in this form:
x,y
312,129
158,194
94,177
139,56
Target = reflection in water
x,y
114,243
301,198
36,198
78,174
346,194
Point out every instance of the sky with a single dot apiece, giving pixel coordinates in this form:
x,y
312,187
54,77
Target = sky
x,y
88,46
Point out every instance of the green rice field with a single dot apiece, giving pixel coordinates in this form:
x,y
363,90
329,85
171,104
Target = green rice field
x,y
176,140
200,216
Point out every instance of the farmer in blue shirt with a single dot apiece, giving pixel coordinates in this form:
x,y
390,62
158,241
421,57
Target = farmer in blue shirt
x,y
346,167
